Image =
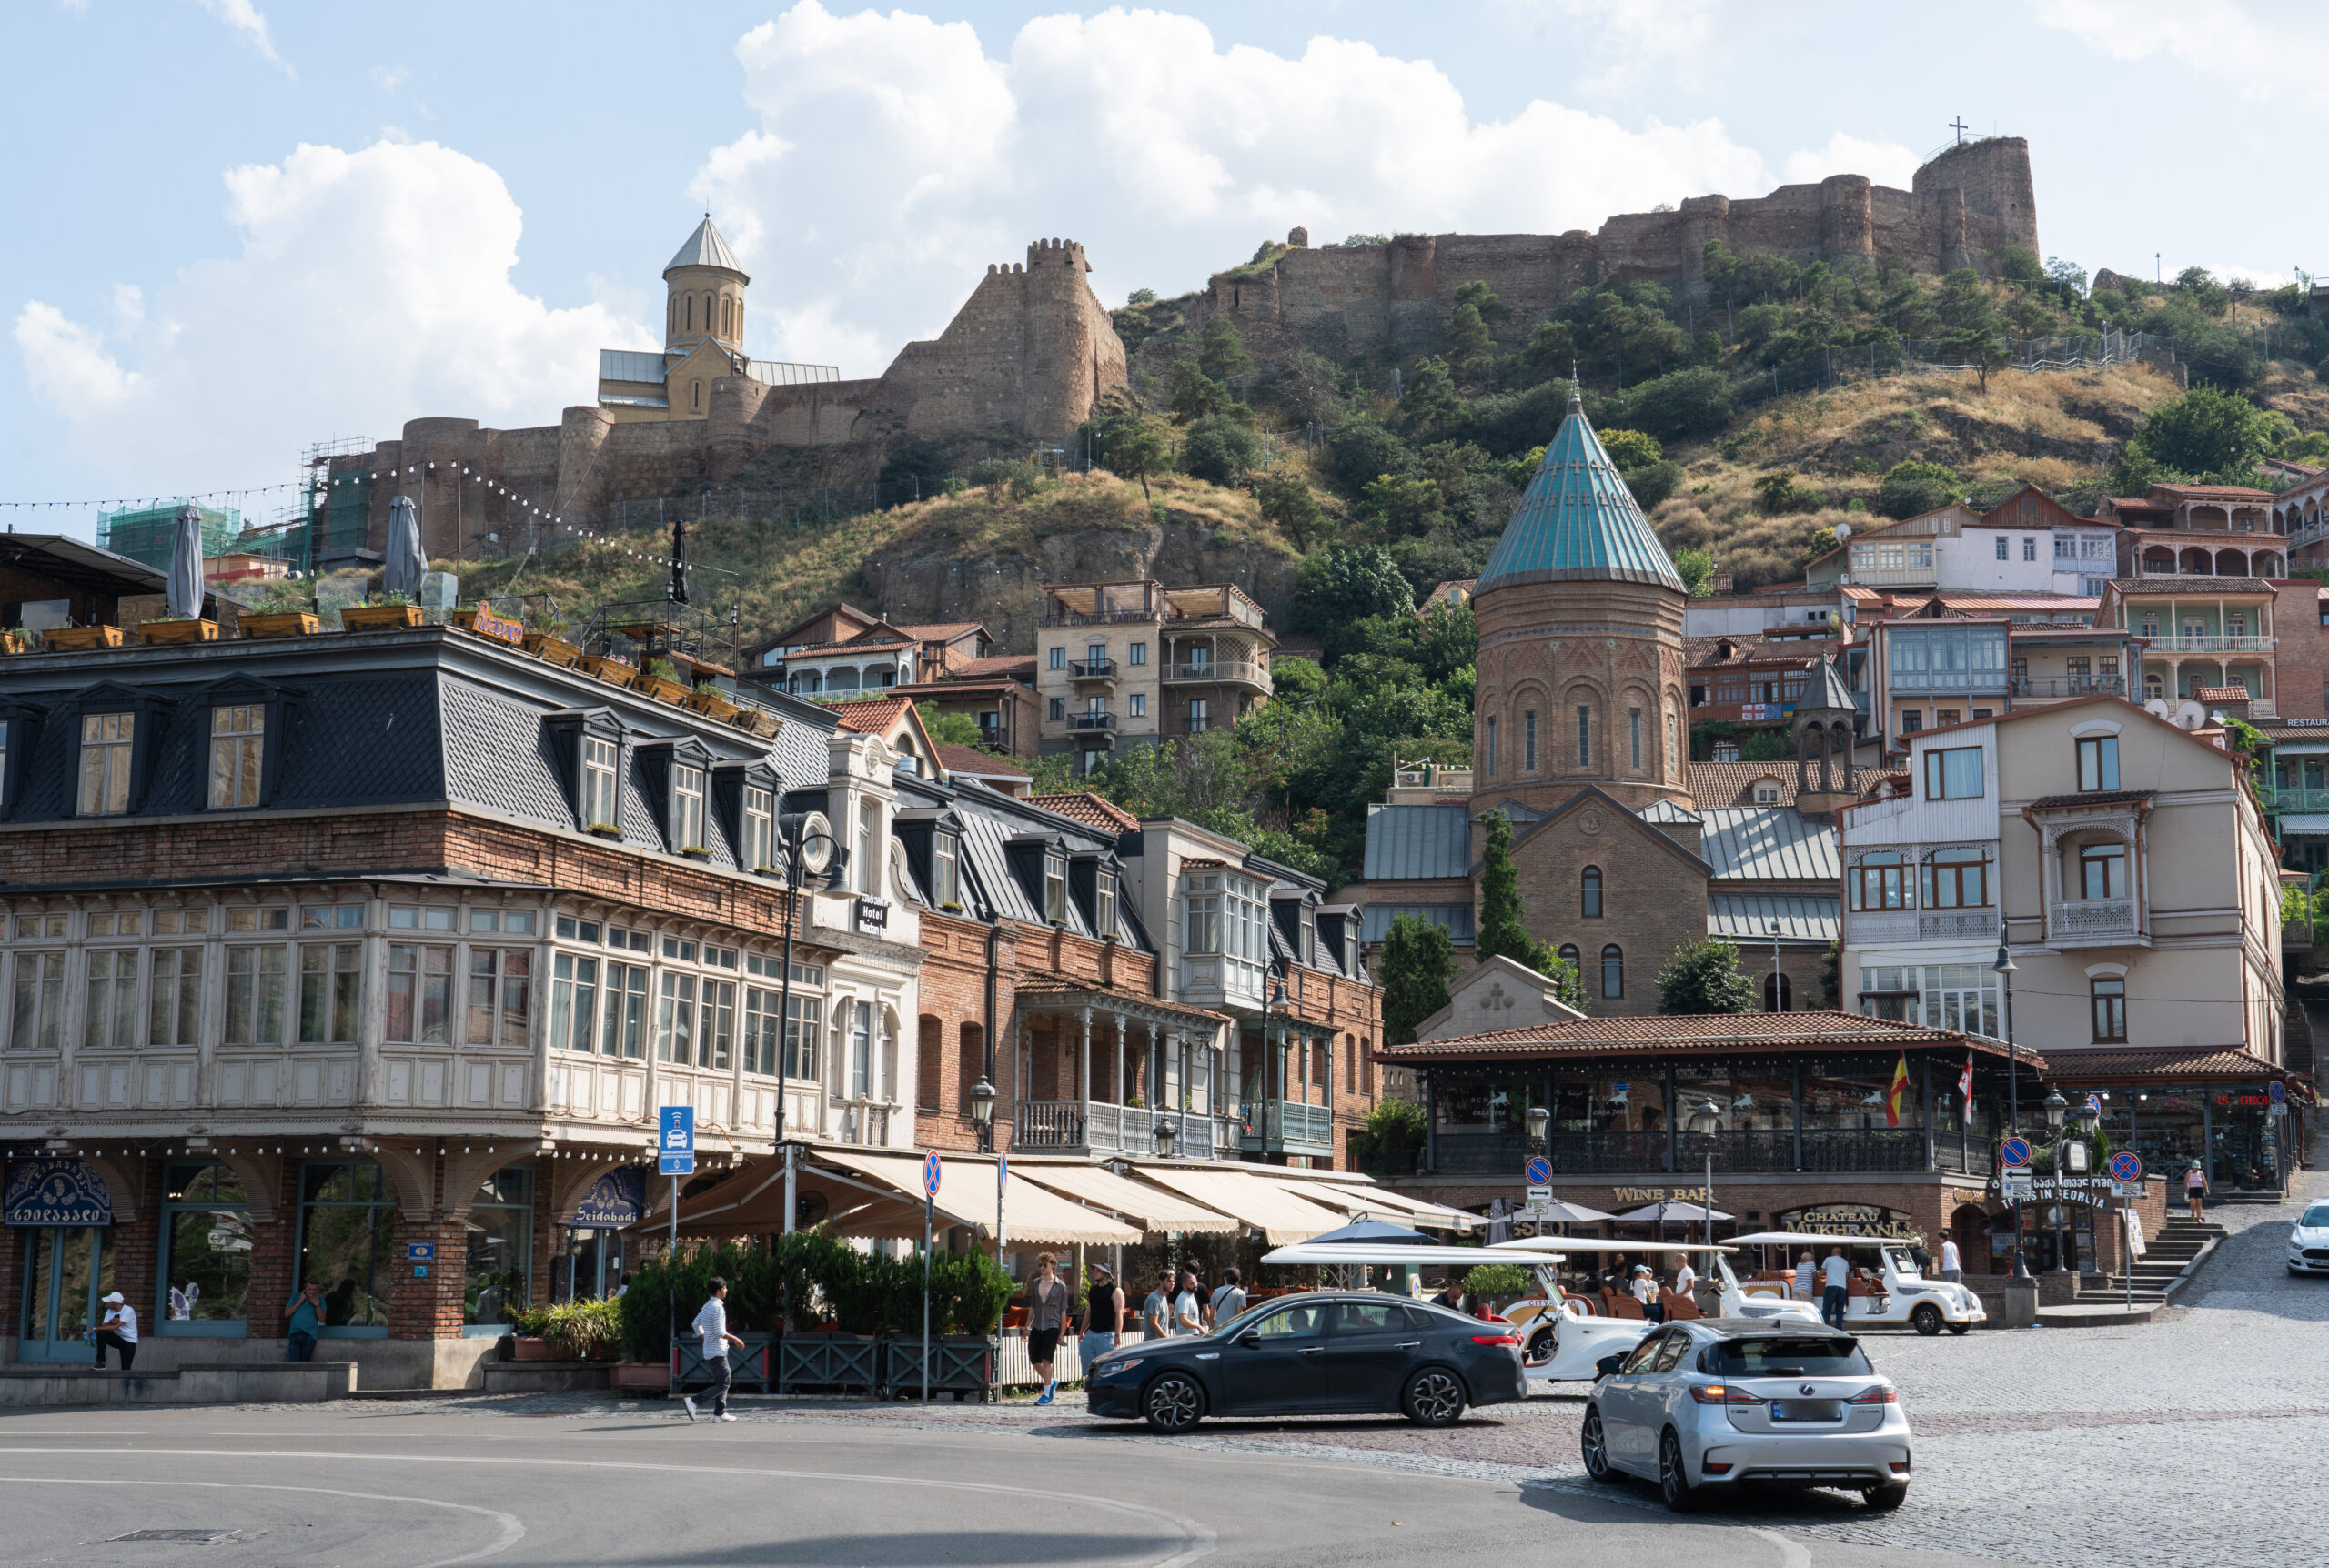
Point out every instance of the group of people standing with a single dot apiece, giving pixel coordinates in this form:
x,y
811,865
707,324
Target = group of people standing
x,y
1177,1305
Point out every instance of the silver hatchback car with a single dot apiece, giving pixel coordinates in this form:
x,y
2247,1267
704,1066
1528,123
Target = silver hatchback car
x,y
1709,1405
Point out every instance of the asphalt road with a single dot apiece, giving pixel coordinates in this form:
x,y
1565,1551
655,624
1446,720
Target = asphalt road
x,y
369,1487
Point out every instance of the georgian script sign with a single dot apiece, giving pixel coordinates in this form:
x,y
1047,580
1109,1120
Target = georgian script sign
x,y
1850,1219
56,1193
615,1199
485,623
2069,1189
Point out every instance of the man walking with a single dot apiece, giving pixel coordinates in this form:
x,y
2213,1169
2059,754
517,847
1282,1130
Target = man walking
x,y
307,1311
712,1323
1047,1312
1229,1300
1833,1299
1953,1264
118,1331
1185,1308
1156,1312
1103,1315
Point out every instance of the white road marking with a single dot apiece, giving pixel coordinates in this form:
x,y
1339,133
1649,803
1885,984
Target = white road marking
x,y
1198,1540
512,1531
1792,1553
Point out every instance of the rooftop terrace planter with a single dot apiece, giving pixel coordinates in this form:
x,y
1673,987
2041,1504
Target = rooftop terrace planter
x,y
160,633
12,642
79,639
755,721
609,668
662,691
711,704
379,618
552,650
290,623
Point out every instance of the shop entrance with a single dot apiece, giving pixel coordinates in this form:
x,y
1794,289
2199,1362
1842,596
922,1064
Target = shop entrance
x,y
66,1269
592,1266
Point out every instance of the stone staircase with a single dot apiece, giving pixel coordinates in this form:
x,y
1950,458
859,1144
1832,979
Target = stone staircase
x,y
2157,1271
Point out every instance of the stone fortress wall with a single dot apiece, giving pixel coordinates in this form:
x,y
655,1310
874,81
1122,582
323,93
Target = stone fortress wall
x,y
1964,202
1024,359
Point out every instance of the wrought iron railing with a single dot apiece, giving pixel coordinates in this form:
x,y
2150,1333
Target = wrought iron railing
x,y
1093,668
2069,685
1236,670
2092,918
1745,1151
1285,1124
1083,721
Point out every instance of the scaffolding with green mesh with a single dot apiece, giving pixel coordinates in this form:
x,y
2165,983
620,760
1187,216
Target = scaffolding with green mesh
x,y
150,534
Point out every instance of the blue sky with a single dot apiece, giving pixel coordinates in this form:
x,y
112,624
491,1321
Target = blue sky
x,y
243,227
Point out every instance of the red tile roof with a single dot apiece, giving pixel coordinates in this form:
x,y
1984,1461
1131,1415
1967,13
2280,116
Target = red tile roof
x,y
1009,666
1092,810
2213,492
1733,783
2215,1063
1730,1032
986,764
2221,693
871,716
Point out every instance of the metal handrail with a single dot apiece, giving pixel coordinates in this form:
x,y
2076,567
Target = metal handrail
x,y
1092,721
1093,668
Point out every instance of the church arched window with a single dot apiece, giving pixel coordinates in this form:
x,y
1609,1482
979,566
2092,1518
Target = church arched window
x,y
1613,972
1589,893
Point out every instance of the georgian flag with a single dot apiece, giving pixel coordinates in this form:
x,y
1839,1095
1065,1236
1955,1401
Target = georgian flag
x,y
1965,1082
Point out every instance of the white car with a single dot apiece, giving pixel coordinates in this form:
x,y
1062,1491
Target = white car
x,y
1567,1343
2309,1241
1926,1305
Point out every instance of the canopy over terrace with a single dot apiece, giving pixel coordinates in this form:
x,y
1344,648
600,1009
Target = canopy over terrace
x,y
1141,1203
859,1193
1253,1199
1356,1195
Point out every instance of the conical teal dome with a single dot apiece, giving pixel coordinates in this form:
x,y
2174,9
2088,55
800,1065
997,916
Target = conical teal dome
x,y
1577,522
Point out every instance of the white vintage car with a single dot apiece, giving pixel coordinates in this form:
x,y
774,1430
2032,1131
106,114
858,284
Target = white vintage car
x,y
1564,1343
1903,1295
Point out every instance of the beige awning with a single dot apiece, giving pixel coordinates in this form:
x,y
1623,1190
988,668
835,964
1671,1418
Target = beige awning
x,y
867,1193
1264,1204
1358,1197
1150,1207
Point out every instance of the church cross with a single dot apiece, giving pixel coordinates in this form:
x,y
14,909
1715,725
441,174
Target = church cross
x,y
1959,126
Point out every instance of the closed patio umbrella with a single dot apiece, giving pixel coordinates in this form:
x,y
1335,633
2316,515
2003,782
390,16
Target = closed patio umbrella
x,y
679,589
186,565
404,564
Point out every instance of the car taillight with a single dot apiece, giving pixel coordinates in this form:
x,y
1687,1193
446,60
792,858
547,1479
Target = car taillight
x,y
1495,1338
1884,1395
1723,1394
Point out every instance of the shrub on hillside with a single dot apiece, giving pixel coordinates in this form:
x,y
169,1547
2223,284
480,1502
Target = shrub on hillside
x,y
1653,482
1222,450
1695,402
1506,423
1913,488
1364,449
999,476
1345,583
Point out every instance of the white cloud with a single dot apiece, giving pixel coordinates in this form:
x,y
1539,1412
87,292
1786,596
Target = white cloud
x,y
1886,162
372,288
894,157
1665,42
246,20
2251,52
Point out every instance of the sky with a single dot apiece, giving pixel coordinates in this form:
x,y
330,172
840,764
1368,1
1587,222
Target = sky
x,y
239,227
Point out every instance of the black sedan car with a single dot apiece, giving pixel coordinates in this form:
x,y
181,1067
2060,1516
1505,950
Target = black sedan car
x,y
1330,1353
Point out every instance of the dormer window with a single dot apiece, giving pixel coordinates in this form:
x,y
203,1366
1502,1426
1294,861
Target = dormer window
x,y
106,742
760,828
1104,918
1767,792
946,870
1056,889
687,807
237,744
600,762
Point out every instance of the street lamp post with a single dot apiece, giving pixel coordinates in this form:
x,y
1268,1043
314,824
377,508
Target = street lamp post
x,y
2056,1107
1274,1008
1540,1121
809,848
982,1113
2003,968
1779,998
1705,1121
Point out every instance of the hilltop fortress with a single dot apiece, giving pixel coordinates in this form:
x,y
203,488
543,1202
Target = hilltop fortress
x,y
1032,351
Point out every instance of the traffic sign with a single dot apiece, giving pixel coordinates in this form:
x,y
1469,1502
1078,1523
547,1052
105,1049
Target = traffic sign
x,y
2277,1094
419,1251
1539,1196
675,1165
2019,1183
1001,1171
2014,1152
678,1128
932,1173
2126,1166
1539,1172
2126,1188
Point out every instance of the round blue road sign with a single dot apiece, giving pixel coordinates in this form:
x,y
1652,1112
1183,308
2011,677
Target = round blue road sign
x,y
2126,1166
932,1173
2014,1152
2277,1094
1540,1172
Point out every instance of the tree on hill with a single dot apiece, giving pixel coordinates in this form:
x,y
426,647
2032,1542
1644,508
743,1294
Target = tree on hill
x,y
1130,448
1418,960
1482,299
916,471
1345,583
1222,450
949,728
1470,343
1428,406
1913,487
1196,393
1286,501
1693,402
1696,568
1221,350
1630,448
2206,434
1705,977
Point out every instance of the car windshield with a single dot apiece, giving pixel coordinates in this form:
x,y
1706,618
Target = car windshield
x,y
1798,1356
2315,1217
1901,1263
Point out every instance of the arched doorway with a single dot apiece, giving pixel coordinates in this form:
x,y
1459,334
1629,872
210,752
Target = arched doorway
x,y
1778,996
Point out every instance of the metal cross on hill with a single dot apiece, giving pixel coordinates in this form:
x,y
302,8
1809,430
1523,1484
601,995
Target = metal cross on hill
x,y
1959,126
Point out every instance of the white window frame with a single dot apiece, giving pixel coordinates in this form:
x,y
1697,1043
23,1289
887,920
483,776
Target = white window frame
x,y
601,766
238,748
108,740
687,807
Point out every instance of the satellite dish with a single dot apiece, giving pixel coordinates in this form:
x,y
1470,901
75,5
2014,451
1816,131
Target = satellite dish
x,y
1843,532
2157,708
816,843
2190,714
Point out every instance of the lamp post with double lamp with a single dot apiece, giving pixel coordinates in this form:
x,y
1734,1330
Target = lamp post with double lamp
x,y
1778,992
1540,1141
2003,968
2056,1107
809,850
2088,1117
1705,1121
982,1124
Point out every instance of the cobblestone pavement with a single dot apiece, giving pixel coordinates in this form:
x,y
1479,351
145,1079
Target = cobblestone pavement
x,y
2185,1440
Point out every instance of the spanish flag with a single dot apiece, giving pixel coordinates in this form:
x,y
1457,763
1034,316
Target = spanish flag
x,y
1897,1093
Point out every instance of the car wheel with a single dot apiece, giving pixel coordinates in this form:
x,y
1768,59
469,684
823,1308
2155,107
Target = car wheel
x,y
1673,1479
1540,1343
1173,1403
1926,1318
1434,1398
1594,1445
1884,1498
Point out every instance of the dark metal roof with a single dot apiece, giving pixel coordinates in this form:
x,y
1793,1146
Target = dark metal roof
x,y
78,564
1411,842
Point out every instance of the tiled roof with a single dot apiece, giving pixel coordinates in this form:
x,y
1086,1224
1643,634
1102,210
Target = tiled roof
x,y
1092,810
2178,1062
2221,693
1577,521
971,760
874,715
1747,918
2213,492
1011,666
1768,843
2187,587
1740,1031
2059,603
941,632
2091,797
1733,783
1703,652
1409,842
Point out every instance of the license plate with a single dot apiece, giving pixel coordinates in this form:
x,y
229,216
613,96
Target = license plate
x,y
1808,1410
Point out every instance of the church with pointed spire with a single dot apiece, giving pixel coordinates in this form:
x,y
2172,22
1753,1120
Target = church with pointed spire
x,y
1624,849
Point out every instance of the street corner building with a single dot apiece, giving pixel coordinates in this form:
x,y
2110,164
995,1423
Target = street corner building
x,y
366,958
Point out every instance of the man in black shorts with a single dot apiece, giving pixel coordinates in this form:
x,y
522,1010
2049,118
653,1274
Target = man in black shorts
x,y
1047,1302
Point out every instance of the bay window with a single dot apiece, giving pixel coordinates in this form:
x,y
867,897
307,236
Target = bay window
x,y
420,993
573,1001
675,1022
1876,881
331,980
111,1017
257,990
625,1032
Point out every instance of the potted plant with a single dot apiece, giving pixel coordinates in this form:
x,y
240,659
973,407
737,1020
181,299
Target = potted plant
x,y
708,698
548,641
383,612
603,831
14,639
527,1344
608,667
177,628
281,623
75,638
756,722
968,1294
661,680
